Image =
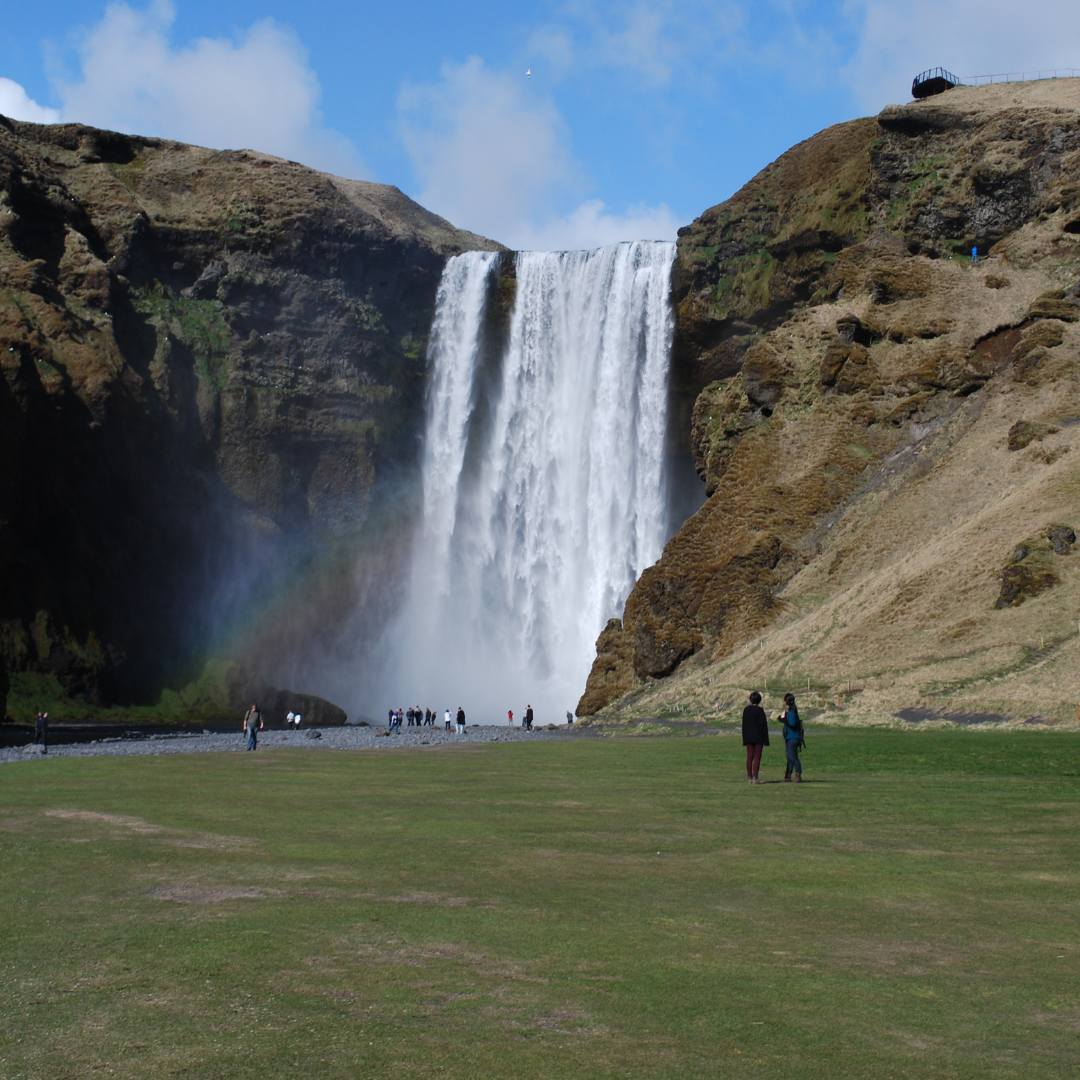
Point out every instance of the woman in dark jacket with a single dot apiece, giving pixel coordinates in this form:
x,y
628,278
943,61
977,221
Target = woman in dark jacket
x,y
755,735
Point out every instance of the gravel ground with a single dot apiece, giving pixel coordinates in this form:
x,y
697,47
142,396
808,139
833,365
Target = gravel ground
x,y
335,738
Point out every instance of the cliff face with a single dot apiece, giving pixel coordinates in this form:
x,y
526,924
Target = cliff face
x,y
863,421
212,369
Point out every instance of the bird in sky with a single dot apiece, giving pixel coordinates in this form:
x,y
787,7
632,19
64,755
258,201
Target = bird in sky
x,y
528,73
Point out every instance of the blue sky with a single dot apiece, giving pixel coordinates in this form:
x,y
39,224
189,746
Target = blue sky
x,y
637,116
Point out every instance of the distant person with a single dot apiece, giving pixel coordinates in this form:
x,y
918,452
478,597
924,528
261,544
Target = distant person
x,y
569,718
390,719
755,735
427,717
510,717
296,720
528,718
446,719
410,716
460,720
41,731
974,255
793,738
253,723
289,719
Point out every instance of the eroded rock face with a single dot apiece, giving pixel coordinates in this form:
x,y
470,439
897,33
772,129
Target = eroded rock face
x,y
213,367
830,322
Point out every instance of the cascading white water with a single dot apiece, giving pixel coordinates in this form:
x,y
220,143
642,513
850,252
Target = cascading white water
x,y
543,482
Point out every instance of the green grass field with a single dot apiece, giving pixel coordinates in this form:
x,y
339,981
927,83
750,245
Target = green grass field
x,y
589,908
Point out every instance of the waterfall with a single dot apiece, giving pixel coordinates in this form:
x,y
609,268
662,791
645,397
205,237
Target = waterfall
x,y
543,477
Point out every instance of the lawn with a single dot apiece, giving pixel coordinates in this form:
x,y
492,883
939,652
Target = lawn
x,y
589,908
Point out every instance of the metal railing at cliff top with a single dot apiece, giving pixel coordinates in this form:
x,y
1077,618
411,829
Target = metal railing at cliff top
x,y
1021,76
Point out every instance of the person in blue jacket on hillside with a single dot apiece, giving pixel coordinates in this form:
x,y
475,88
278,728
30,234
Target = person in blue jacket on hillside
x,y
793,738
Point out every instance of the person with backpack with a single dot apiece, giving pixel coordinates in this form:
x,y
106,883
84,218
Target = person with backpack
x,y
755,736
793,738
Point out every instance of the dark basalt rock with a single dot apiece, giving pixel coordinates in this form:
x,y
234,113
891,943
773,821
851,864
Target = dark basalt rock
x,y
1062,538
1020,582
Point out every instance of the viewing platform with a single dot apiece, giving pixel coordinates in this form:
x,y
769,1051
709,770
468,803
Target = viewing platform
x,y
938,80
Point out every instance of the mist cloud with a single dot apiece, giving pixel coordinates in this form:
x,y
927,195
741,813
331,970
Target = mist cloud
x,y
255,92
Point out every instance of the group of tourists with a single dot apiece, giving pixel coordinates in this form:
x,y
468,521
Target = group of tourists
x,y
755,737
526,723
415,718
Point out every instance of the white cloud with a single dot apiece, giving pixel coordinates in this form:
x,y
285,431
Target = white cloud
x,y
969,37
659,41
17,103
592,225
486,150
255,92
492,155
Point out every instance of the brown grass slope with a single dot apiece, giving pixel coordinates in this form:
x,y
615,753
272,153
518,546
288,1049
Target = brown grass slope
x,y
892,471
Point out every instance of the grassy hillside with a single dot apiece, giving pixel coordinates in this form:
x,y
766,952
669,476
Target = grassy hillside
x,y
890,463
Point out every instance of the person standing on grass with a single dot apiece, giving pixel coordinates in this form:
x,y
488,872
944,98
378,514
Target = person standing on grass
x,y
793,738
755,735
41,731
252,723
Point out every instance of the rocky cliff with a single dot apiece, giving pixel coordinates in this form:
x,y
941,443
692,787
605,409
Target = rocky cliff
x,y
212,377
885,431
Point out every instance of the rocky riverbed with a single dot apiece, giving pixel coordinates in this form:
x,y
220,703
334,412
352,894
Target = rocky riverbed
x,y
336,738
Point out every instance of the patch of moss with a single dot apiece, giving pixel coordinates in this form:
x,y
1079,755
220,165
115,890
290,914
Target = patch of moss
x,y
129,173
198,324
